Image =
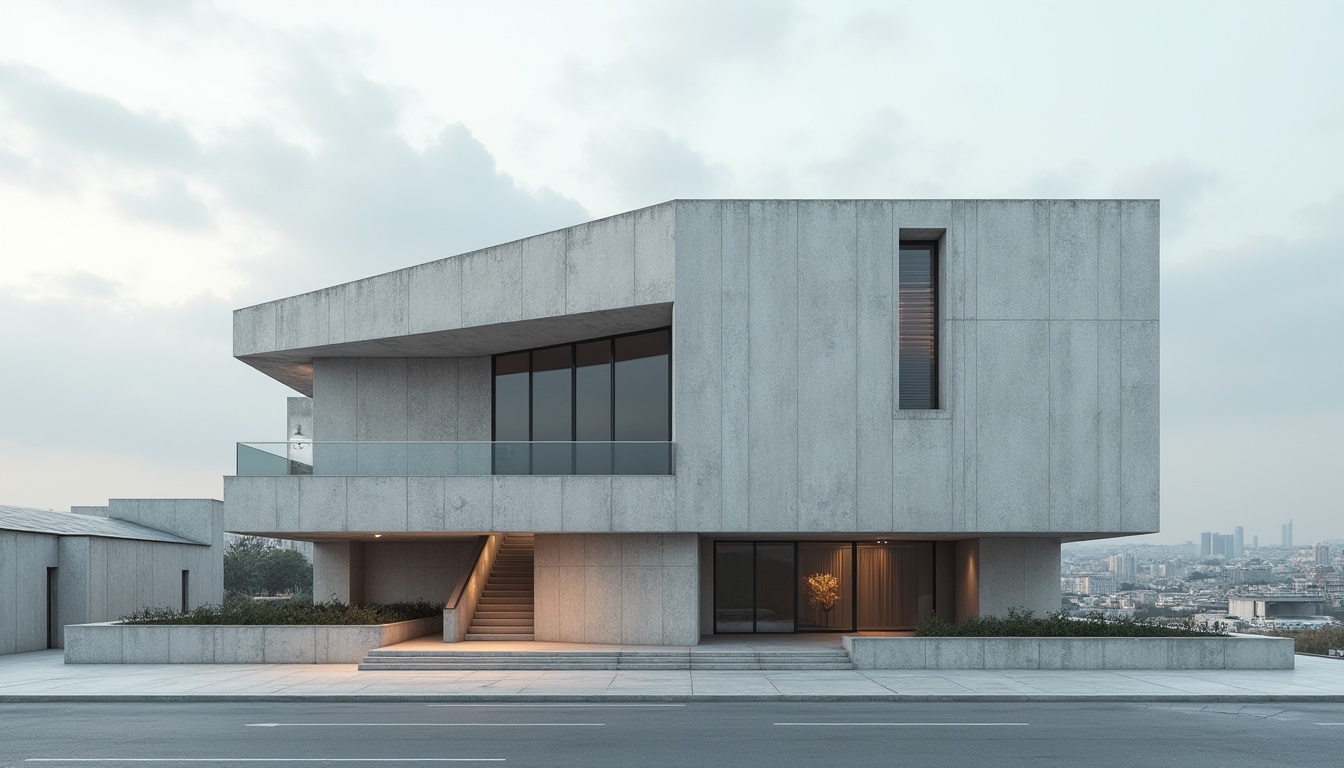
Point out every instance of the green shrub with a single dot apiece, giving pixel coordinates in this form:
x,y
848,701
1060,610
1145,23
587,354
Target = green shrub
x,y
288,612
1024,624
1318,641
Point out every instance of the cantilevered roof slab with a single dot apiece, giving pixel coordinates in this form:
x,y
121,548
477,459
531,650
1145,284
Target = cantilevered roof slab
x,y
608,276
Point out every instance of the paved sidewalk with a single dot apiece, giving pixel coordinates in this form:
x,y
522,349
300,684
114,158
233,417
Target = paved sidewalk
x,y
43,676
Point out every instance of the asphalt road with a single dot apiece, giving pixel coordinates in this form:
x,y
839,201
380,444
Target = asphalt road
x,y
692,734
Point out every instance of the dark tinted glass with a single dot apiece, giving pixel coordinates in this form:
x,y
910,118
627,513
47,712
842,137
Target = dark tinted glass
x,y
592,393
592,407
734,587
641,401
552,394
511,397
918,324
774,587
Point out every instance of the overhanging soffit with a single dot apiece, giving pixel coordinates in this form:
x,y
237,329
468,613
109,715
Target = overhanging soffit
x,y
294,367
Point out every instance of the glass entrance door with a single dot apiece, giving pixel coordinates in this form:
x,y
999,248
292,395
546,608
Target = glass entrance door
x,y
753,586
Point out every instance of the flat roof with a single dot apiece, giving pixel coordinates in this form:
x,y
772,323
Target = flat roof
x,y
45,521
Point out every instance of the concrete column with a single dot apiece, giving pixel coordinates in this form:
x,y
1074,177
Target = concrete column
x,y
338,571
1018,572
636,588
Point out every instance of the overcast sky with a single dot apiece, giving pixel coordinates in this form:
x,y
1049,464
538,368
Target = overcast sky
x,y
162,163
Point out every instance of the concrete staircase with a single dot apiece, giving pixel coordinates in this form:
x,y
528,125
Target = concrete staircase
x,y
505,608
700,658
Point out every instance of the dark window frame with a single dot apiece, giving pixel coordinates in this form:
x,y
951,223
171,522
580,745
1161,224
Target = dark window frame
x,y
573,373
935,257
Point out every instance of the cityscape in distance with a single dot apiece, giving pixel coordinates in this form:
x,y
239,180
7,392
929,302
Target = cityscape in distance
x,y
1241,581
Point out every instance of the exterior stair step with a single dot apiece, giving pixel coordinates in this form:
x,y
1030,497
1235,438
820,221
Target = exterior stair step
x,y
600,660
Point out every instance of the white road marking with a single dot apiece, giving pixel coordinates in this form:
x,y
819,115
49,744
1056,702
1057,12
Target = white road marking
x,y
1330,723
555,705
264,760
969,725
424,725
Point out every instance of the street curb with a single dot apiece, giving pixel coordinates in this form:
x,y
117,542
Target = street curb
x,y
668,698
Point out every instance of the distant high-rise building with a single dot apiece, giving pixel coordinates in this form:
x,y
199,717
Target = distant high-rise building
x,y
1212,543
1322,554
1286,535
1255,542
1239,549
1123,566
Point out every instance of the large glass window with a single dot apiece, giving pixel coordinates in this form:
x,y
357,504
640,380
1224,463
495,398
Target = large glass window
x,y
821,586
826,585
596,407
918,326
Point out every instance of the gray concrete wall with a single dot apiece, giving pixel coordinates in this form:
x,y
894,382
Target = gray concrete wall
x,y
620,261
617,588
186,644
338,571
24,560
200,520
474,504
402,399
1240,652
785,327
126,576
401,571
1018,573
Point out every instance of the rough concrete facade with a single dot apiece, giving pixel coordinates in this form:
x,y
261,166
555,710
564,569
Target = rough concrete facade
x,y
785,383
78,570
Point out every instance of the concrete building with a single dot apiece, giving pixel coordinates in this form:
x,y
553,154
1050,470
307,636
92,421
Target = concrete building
x,y
1092,585
1123,566
1276,606
723,416
101,563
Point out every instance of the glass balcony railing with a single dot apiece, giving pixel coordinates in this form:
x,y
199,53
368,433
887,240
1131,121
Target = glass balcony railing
x,y
377,459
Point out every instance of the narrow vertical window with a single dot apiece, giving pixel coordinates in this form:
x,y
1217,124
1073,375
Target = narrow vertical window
x,y
186,591
918,326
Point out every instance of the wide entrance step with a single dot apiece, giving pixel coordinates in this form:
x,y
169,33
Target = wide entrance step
x,y
455,659
505,610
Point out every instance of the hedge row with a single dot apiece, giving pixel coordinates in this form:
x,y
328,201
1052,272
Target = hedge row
x,y
247,612
1024,624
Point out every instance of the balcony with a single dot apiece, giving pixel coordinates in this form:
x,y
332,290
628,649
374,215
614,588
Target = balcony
x,y
455,459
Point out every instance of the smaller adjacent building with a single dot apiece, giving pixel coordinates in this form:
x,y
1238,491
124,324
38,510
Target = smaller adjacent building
x,y
100,563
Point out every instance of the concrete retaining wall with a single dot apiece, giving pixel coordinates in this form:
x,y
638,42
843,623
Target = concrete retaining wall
x,y
113,643
1236,652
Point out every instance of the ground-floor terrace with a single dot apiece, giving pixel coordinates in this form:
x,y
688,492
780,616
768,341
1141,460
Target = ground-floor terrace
x,y
675,588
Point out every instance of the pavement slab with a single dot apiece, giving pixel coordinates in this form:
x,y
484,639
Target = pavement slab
x,y
43,676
